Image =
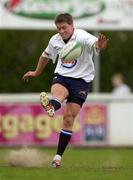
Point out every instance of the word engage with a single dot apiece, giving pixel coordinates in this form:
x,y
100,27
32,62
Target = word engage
x,y
41,126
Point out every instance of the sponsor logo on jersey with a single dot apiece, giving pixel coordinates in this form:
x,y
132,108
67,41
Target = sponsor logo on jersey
x,y
69,64
47,9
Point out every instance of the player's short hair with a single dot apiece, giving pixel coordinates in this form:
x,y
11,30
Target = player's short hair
x,y
64,17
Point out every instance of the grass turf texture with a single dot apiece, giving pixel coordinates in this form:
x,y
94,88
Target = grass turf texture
x,y
79,164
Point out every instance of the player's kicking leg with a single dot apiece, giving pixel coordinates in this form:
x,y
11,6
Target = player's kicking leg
x,y
50,105
59,93
46,104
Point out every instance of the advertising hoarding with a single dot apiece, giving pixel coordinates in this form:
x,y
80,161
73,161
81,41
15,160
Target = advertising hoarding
x,y
28,124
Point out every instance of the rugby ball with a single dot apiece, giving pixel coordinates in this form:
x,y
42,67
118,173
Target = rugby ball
x,y
71,51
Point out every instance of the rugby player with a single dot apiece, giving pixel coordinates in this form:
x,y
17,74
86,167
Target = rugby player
x,y
71,80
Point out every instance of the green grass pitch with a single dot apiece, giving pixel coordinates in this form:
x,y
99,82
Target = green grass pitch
x,y
77,164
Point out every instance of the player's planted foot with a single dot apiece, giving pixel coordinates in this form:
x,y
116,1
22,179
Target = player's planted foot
x,y
56,163
46,104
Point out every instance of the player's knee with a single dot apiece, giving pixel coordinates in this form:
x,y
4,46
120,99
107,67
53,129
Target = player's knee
x,y
68,120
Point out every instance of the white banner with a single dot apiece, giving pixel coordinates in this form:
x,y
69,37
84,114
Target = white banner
x,y
88,14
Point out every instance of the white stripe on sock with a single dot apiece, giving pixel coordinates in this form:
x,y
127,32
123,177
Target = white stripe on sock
x,y
66,132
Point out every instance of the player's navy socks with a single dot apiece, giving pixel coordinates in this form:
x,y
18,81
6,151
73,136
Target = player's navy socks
x,y
55,103
64,139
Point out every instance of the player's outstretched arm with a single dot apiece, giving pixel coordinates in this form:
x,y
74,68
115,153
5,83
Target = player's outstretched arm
x,y
40,66
102,41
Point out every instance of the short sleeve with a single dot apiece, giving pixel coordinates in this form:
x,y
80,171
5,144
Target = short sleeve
x,y
50,52
90,41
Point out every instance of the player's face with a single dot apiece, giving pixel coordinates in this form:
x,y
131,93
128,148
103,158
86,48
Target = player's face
x,y
65,29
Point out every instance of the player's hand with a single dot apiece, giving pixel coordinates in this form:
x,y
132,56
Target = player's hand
x,y
28,75
101,42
